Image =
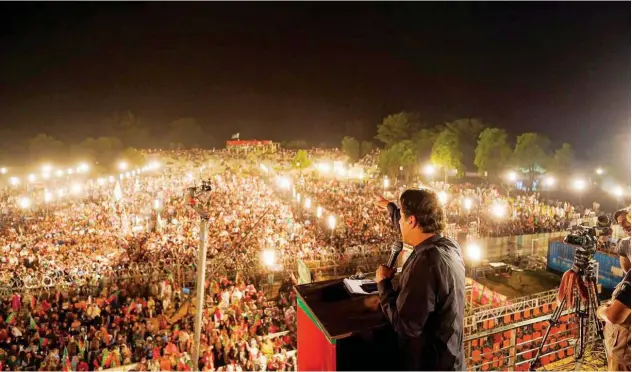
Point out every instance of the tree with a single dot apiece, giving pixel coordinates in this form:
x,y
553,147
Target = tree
x,y
130,129
301,160
366,147
47,148
103,150
424,139
351,148
530,153
187,133
398,127
402,155
467,131
296,144
563,159
133,157
492,152
446,152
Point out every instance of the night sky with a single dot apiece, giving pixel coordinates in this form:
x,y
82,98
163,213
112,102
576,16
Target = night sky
x,y
280,70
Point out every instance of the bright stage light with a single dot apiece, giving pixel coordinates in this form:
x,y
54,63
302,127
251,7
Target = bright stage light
x,y
331,221
269,257
24,203
443,197
473,252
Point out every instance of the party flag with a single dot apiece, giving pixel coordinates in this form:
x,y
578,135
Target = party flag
x,y
65,361
11,318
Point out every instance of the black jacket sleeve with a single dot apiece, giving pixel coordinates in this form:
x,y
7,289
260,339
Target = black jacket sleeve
x,y
408,309
394,213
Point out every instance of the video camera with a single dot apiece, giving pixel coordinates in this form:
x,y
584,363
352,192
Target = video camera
x,y
587,238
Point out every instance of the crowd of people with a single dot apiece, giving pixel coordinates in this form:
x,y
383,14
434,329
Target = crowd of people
x,y
101,275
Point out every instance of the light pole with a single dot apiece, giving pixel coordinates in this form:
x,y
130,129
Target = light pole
x,y
473,254
549,182
201,268
580,185
467,203
429,170
331,221
618,193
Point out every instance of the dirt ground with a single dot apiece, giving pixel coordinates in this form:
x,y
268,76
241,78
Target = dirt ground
x,y
521,283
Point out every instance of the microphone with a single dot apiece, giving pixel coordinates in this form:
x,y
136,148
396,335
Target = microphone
x,y
396,248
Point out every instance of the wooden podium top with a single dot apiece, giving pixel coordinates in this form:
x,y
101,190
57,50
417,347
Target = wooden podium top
x,y
338,313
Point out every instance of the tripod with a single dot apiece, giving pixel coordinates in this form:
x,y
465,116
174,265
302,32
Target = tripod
x,y
578,293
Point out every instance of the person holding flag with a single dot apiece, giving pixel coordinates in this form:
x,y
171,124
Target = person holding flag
x,y
65,361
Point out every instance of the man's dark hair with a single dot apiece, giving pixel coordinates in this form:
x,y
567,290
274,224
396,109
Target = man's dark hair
x,y
424,204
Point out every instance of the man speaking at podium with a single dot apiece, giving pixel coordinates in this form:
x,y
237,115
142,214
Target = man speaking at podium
x,y
427,309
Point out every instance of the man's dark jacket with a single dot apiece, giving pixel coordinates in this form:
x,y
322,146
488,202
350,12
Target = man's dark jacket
x,y
427,309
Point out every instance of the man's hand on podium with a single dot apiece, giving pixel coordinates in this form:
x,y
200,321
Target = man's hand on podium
x,y
384,272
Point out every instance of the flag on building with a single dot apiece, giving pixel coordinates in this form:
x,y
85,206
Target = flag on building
x,y
235,136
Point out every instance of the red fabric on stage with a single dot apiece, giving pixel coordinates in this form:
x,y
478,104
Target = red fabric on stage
x,y
315,352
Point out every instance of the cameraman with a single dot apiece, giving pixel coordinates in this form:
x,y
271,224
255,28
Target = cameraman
x,y
427,309
623,245
616,313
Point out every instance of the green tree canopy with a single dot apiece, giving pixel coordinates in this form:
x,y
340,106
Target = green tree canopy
x,y
402,154
296,144
424,139
130,129
301,160
351,148
133,157
530,153
563,159
492,152
446,152
103,150
186,132
398,127
47,148
366,147
467,131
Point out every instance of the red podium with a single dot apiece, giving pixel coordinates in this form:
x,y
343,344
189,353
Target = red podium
x,y
338,331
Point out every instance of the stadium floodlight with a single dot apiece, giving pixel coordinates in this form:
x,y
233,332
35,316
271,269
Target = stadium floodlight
x,y
579,184
443,197
429,170
473,252
498,210
331,221
269,258
24,203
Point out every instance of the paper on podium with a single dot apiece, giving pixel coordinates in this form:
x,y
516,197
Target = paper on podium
x,y
362,286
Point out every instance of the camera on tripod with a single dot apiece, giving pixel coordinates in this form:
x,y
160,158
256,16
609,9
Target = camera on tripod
x,y
587,238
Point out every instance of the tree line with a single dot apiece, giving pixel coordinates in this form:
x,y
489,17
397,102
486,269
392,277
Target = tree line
x,y
461,145
122,135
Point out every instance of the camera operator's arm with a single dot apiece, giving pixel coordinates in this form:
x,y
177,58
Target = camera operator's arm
x,y
623,248
619,310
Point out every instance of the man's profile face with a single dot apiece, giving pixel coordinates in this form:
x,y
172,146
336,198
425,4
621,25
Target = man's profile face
x,y
406,224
